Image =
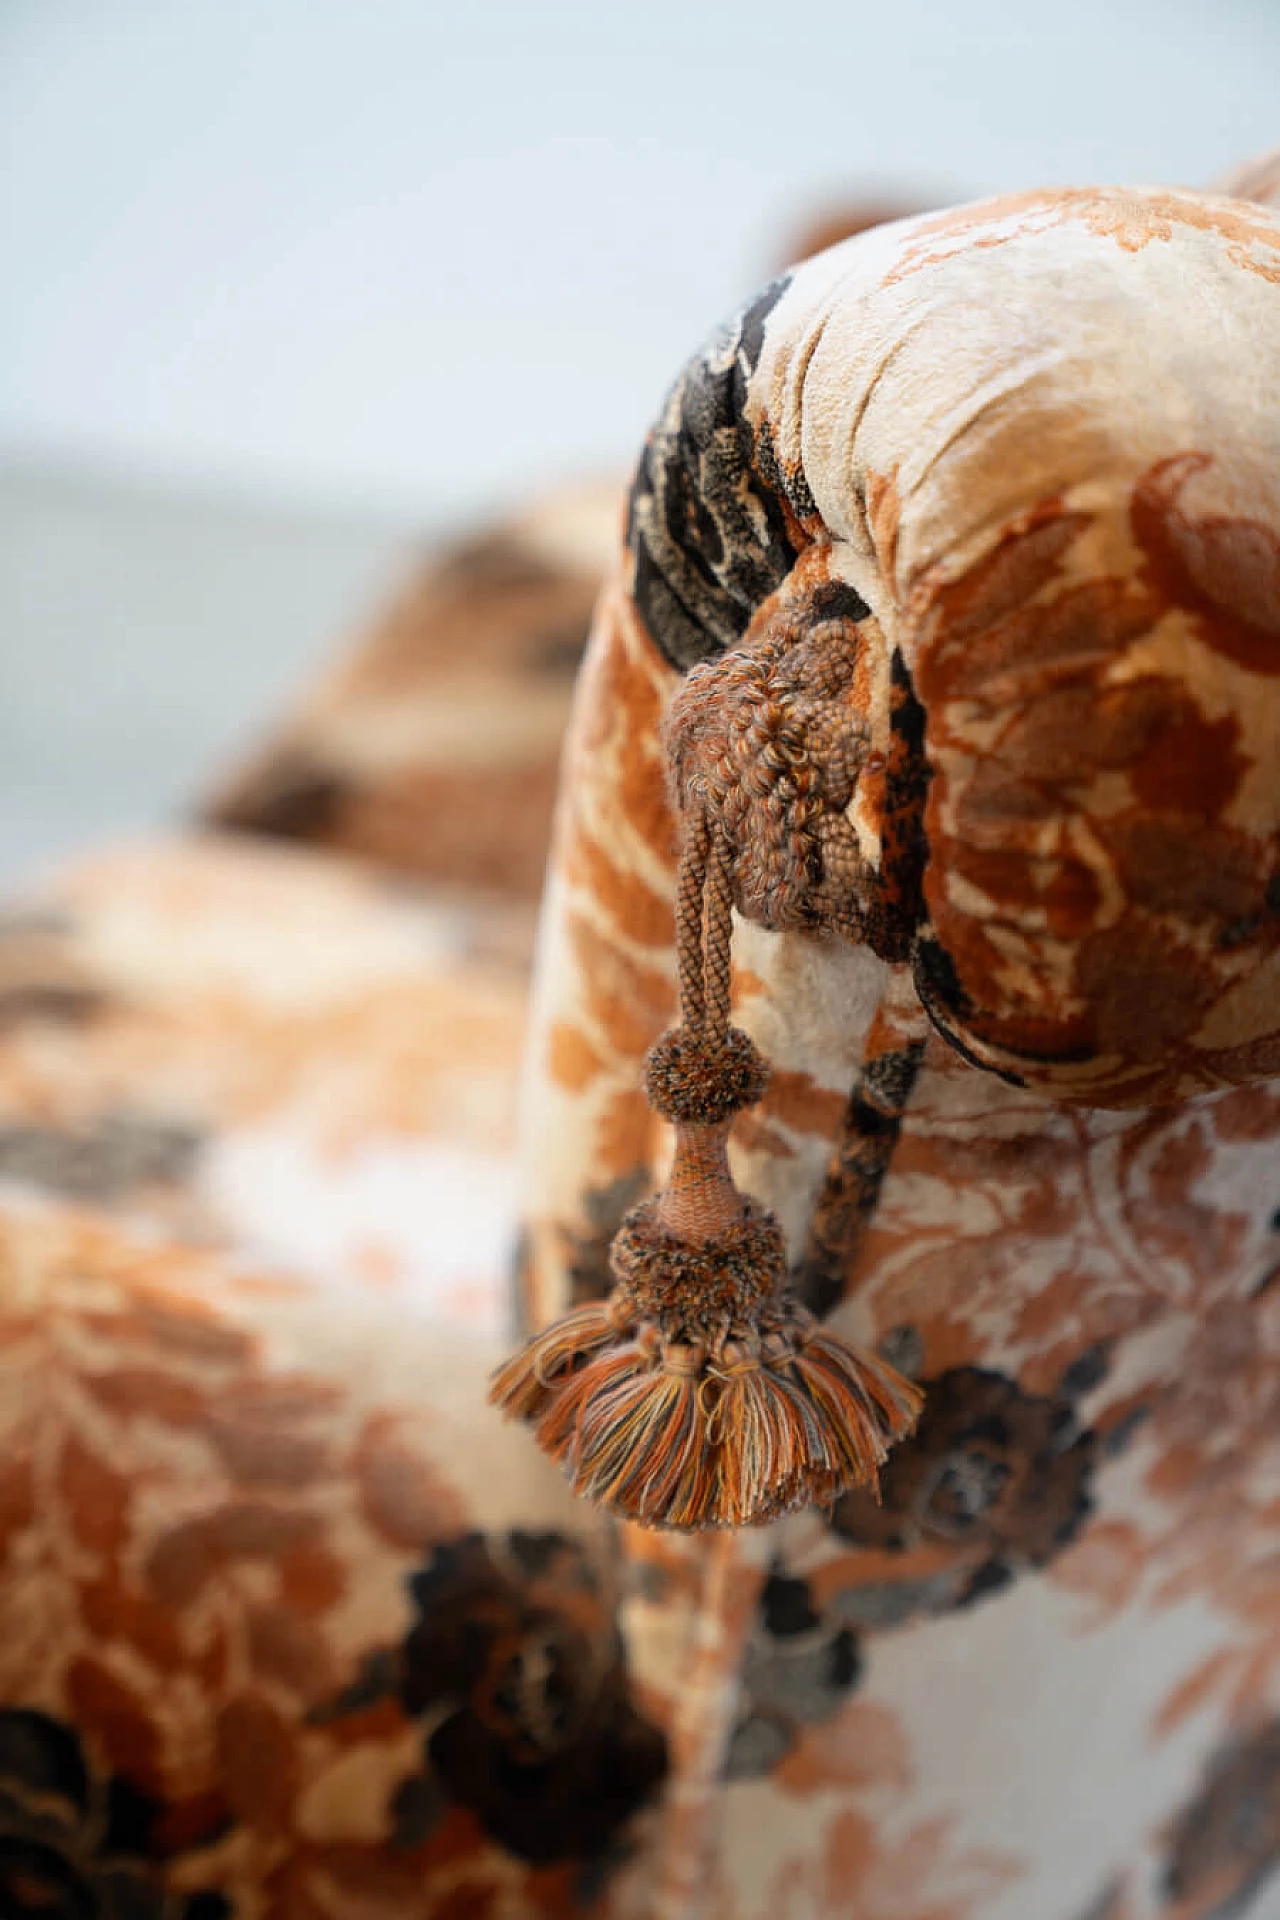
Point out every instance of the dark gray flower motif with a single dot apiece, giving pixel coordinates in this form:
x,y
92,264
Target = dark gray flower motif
x,y
101,1160
514,1661
75,1846
1001,1476
1224,1847
798,1670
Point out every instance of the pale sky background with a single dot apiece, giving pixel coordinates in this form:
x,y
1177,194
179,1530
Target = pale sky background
x,y
414,256
290,283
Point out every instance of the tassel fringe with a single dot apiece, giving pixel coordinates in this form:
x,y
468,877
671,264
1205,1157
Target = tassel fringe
x,y
678,1436
701,1394
531,1379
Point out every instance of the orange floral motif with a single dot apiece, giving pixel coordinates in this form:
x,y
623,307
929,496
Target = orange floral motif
x,y
287,1631
922,1875
1133,221
214,1540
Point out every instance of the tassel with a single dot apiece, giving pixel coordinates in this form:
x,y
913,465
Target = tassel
x,y
763,1431
532,1377
701,1394
640,1449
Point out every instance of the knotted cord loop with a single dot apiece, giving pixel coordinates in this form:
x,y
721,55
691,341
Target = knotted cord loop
x,y
701,1396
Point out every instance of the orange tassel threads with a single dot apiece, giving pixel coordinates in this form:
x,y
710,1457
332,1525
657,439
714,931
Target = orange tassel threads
x,y
701,1394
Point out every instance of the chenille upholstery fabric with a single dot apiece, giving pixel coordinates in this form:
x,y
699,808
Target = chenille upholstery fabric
x,y
1028,450
291,1624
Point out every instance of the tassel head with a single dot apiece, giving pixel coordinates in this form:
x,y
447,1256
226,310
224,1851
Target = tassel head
x,y
699,1291
701,1394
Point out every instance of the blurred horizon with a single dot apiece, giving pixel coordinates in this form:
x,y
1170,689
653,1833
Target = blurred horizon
x,y
297,287
413,260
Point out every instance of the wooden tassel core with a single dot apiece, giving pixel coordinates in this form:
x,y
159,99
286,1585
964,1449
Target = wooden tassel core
x,y
701,1394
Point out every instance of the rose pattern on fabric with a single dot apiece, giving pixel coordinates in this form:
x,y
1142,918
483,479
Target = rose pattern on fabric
x,y
514,1664
1000,1479
186,1614
994,1483
83,1845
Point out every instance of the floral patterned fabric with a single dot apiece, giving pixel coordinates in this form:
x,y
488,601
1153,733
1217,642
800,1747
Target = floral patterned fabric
x,y
289,1623
1019,1687
293,1628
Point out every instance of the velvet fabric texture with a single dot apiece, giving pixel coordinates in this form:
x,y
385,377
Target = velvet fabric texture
x,y
293,1627
1025,455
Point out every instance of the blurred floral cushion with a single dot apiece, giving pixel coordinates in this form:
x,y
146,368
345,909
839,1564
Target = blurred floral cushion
x,y
290,1623
1257,179
292,1628
431,745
